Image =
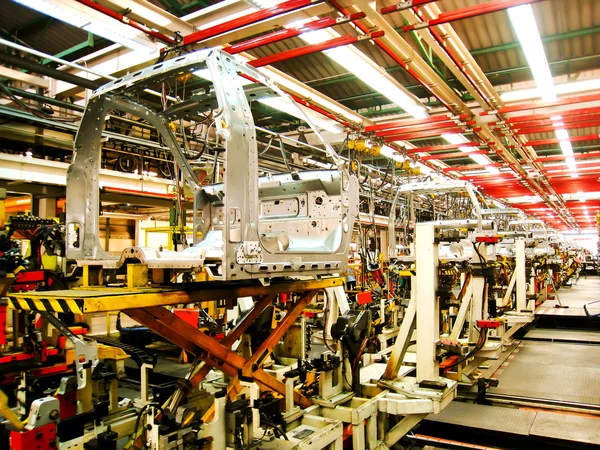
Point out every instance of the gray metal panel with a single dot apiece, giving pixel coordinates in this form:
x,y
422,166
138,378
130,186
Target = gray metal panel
x,y
553,371
567,427
493,418
563,335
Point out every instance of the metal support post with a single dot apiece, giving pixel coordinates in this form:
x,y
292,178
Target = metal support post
x,y
427,311
521,275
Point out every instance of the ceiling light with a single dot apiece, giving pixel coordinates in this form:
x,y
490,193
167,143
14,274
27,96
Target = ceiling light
x,y
353,60
110,34
562,134
116,32
556,117
566,148
525,27
455,139
53,10
573,87
293,110
480,159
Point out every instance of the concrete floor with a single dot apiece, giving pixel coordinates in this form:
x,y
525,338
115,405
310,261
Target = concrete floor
x,y
586,290
548,383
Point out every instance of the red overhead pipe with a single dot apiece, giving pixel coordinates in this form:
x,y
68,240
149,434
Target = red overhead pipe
x,y
407,123
287,33
127,21
587,137
454,155
436,148
546,116
469,11
415,128
539,105
313,48
551,128
471,167
250,19
543,159
321,111
422,134
405,5
547,122
309,105
390,53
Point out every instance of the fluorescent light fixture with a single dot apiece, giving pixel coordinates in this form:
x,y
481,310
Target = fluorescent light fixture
x,y
480,159
558,124
116,32
571,163
284,106
553,118
150,15
353,60
572,87
566,148
455,139
110,34
52,10
562,134
525,27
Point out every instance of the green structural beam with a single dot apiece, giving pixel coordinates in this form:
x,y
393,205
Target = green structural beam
x,y
85,44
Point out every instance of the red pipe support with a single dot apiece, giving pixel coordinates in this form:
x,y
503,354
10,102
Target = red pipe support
x,y
250,19
127,21
404,5
405,123
588,155
551,128
454,155
538,105
548,122
546,116
587,137
287,33
437,148
423,134
313,48
471,167
391,54
468,12
415,128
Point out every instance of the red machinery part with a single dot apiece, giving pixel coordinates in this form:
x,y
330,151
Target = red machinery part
x,y
284,297
42,438
483,324
364,297
190,315
3,307
488,239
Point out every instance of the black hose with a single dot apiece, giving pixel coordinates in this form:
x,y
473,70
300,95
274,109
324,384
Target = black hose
x,y
23,63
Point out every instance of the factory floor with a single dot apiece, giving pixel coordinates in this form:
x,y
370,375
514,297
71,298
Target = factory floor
x,y
548,395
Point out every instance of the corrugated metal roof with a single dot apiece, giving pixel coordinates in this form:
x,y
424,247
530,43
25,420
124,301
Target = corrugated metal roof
x,y
38,30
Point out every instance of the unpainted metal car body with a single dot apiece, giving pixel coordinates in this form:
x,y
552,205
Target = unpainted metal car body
x,y
289,224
